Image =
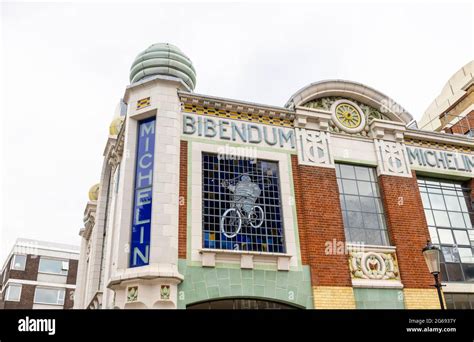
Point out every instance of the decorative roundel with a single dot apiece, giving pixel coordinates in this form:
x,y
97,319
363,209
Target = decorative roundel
x,y
348,116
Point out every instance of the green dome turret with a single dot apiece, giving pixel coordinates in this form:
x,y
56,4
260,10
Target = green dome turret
x,y
163,59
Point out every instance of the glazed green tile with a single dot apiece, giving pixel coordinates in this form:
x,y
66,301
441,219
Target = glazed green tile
x,y
304,287
259,291
282,294
295,279
197,274
270,275
247,274
270,283
200,290
270,292
213,291
235,277
247,289
211,278
225,291
282,279
223,283
247,282
306,274
360,294
259,277
236,290
292,293
222,273
301,298
190,297
377,299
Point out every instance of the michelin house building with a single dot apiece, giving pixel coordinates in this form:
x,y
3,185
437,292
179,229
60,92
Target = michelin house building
x,y
326,202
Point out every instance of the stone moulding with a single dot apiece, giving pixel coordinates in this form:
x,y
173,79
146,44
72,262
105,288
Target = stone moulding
x,y
374,266
229,105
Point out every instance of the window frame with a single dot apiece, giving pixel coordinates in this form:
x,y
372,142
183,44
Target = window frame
x,y
450,300
447,189
291,259
58,299
7,292
62,261
375,197
278,178
12,262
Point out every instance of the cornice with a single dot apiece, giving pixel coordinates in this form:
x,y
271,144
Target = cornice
x,y
234,105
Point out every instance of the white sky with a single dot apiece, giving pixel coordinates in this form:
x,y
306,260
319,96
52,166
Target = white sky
x,y
65,66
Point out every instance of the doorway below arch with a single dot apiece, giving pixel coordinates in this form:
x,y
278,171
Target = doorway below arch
x,y
241,304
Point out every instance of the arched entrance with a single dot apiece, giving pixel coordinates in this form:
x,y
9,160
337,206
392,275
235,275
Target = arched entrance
x,y
241,304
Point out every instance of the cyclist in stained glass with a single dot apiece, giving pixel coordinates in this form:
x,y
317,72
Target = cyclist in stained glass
x,y
245,193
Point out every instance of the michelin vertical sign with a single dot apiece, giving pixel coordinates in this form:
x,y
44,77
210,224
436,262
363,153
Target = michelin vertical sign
x,y
141,225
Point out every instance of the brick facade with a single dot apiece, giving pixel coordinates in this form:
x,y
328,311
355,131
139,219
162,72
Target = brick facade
x,y
30,272
72,273
183,206
333,297
421,299
407,227
319,222
28,290
26,299
460,125
69,299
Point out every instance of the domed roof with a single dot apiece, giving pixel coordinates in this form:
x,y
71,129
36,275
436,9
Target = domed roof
x,y
163,59
452,91
94,192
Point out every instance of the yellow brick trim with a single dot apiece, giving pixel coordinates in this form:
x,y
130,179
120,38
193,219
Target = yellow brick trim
x,y
333,297
421,299
143,103
227,114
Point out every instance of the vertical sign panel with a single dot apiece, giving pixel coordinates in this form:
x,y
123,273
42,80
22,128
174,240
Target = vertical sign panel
x,y
140,239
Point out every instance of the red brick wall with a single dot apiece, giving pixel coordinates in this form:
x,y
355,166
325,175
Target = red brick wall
x,y
183,184
319,221
72,272
69,299
407,228
463,125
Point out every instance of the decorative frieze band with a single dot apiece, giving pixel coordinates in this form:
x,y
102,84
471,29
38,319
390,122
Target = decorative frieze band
x,y
392,158
313,148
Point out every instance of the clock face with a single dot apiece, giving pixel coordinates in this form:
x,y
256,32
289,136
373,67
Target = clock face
x,y
348,116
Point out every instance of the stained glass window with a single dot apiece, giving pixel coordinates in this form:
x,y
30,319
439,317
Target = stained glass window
x,y
362,210
448,213
241,205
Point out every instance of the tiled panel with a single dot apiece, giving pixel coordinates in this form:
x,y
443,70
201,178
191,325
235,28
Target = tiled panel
x,y
379,299
142,103
200,284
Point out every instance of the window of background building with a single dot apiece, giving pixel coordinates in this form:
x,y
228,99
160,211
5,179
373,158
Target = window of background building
x,y
218,175
54,266
469,133
447,210
13,293
18,262
459,300
45,295
362,209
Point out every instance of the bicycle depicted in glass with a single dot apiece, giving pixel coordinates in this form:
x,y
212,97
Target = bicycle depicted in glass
x,y
243,211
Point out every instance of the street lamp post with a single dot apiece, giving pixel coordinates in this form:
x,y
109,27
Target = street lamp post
x,y
431,254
